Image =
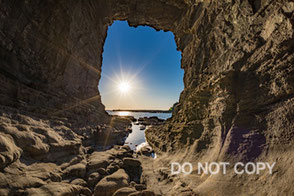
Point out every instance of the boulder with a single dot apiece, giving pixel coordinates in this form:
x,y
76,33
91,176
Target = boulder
x,y
102,171
112,168
80,182
131,162
99,160
125,191
30,142
56,189
44,171
77,170
9,152
140,187
153,120
133,168
4,192
145,150
93,179
110,184
143,193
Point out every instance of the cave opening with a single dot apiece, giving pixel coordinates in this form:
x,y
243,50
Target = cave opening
x,y
141,77
141,69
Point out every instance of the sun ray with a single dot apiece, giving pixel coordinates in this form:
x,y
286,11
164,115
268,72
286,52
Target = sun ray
x,y
83,102
65,53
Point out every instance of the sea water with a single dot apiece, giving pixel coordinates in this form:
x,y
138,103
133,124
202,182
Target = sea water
x,y
136,139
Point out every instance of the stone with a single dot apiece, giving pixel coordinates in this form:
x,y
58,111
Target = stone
x,y
110,184
132,184
112,168
133,168
99,160
140,187
77,170
131,162
153,120
79,181
125,191
145,150
93,179
126,147
102,171
143,193
9,152
58,189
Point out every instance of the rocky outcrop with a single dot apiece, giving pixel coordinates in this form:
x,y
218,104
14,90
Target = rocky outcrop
x,y
238,69
110,184
76,176
153,120
238,64
237,103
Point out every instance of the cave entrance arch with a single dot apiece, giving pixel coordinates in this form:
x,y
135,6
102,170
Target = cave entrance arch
x,y
140,69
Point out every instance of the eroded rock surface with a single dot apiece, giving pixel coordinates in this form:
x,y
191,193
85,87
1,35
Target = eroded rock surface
x,y
237,104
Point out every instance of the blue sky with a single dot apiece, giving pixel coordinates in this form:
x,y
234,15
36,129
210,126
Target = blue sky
x,y
144,59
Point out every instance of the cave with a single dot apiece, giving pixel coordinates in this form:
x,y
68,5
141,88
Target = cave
x,y
237,104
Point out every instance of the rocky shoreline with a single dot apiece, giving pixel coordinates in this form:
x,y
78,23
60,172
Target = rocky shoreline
x,y
40,157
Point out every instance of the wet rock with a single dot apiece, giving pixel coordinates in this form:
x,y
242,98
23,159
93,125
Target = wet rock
x,y
145,150
154,120
142,127
130,130
120,122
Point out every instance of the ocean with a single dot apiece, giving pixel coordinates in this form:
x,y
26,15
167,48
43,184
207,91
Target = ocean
x,y
136,139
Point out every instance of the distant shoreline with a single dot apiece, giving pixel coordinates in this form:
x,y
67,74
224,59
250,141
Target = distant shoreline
x,y
149,111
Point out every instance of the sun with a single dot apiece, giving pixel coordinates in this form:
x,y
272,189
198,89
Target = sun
x,y
124,87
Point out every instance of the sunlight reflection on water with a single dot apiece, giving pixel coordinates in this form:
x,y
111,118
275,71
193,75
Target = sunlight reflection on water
x,y
136,139
140,114
124,113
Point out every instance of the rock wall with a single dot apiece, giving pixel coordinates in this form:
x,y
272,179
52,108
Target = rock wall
x,y
238,64
237,104
238,60
50,65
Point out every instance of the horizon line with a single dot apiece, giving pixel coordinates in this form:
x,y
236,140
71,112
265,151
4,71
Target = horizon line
x,y
139,110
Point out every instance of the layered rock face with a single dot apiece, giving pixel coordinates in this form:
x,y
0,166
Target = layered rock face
x,y
238,62
237,103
